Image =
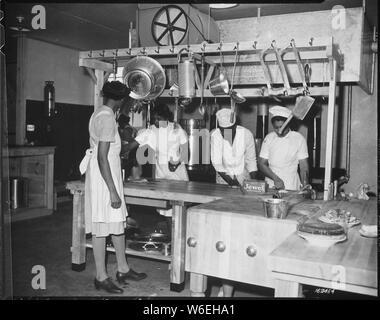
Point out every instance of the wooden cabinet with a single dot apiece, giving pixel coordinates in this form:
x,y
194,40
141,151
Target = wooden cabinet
x,y
231,239
36,164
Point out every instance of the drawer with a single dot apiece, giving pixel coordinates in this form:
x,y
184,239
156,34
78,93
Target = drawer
x,y
14,167
233,246
33,166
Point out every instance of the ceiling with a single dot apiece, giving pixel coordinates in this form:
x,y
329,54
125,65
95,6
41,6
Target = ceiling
x,y
100,25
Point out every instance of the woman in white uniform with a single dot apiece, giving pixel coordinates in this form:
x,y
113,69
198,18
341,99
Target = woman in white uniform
x,y
233,151
281,154
233,155
105,212
165,139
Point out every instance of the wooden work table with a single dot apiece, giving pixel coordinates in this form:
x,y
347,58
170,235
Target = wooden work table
x,y
347,266
218,206
159,194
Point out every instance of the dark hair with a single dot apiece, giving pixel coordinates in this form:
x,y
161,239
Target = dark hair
x,y
163,111
278,118
115,90
123,120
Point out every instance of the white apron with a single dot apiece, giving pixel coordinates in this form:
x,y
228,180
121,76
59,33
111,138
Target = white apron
x,y
97,196
166,145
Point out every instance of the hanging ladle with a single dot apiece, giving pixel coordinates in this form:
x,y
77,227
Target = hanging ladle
x,y
201,106
235,96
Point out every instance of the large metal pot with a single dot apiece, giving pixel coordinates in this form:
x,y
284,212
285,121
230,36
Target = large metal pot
x,y
275,208
145,77
193,128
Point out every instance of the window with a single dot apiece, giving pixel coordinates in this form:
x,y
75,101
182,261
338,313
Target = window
x,y
119,75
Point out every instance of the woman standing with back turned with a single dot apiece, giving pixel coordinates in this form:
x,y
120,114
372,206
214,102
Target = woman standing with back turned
x,y
105,210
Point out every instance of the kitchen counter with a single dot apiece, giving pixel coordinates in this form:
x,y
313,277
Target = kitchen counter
x,y
230,238
347,266
221,213
160,194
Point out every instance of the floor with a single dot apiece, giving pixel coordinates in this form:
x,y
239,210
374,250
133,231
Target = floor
x,y
46,242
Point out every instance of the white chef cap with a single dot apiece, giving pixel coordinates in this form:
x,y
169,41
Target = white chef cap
x,y
224,118
278,111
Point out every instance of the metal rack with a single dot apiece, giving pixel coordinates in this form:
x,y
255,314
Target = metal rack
x,y
100,64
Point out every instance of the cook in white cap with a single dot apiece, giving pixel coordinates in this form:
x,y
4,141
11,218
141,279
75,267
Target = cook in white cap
x,y
164,139
233,155
233,152
281,154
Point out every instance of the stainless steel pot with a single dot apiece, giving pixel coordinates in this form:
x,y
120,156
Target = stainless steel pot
x,y
145,77
276,208
192,128
186,77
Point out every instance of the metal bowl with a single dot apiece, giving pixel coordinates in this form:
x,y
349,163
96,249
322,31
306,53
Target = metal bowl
x,y
275,208
145,77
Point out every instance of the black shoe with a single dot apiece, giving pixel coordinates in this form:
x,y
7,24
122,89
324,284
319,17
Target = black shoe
x,y
130,275
107,285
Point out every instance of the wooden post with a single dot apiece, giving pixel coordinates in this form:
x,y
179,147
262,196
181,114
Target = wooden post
x,y
177,272
198,284
98,99
287,289
49,180
6,288
20,92
78,248
330,127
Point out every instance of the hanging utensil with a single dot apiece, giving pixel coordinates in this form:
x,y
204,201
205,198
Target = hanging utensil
x,y
235,97
302,107
301,69
145,77
272,92
186,76
281,66
201,106
219,85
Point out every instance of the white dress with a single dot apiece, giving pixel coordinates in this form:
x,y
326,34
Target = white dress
x,y
165,142
283,155
238,158
100,218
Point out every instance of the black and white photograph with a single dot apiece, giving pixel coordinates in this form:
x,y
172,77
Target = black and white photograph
x,y
210,152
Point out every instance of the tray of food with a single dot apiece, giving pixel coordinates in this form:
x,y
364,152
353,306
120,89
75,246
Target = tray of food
x,y
340,216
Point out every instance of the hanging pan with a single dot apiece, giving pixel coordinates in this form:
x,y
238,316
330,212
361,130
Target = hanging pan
x,y
219,85
145,77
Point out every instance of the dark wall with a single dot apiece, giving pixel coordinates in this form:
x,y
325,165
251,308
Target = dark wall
x,y
69,133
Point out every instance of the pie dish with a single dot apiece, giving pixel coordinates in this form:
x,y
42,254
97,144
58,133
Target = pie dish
x,y
321,241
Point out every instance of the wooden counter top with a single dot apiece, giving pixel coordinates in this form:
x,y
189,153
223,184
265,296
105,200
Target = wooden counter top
x,y
23,151
185,191
252,205
356,257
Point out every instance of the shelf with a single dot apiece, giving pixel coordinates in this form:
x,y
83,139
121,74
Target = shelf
x,y
28,213
155,256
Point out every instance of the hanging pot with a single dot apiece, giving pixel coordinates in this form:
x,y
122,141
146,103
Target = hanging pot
x,y
219,85
145,77
186,76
